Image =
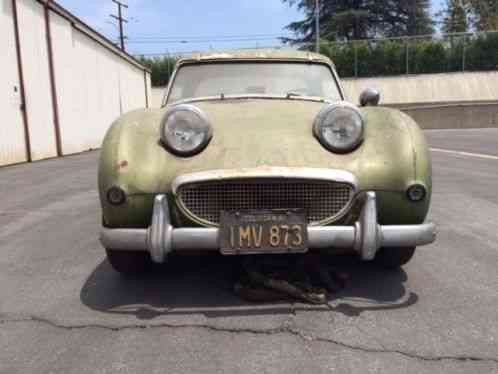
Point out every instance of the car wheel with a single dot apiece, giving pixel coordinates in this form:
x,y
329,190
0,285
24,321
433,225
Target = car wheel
x,y
393,258
129,263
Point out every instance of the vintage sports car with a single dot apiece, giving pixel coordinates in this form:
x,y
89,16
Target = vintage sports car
x,y
259,153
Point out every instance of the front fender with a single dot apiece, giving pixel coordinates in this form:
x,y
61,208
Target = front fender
x,y
400,157
128,160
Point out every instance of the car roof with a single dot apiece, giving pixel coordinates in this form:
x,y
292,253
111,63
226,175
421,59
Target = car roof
x,y
281,54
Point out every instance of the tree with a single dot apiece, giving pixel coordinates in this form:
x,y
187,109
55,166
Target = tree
x,y
162,68
338,20
455,16
417,17
484,14
361,19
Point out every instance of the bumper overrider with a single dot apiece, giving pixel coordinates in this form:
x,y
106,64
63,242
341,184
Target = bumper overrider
x,y
365,237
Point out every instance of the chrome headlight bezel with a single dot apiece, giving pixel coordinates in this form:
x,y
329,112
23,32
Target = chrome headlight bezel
x,y
320,125
199,127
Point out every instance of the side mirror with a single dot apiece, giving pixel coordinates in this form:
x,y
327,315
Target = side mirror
x,y
370,97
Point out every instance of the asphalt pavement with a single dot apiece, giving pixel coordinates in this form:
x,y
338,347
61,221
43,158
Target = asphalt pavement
x,y
64,310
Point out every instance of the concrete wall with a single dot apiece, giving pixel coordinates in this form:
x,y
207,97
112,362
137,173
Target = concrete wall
x,y
463,115
428,88
75,82
437,101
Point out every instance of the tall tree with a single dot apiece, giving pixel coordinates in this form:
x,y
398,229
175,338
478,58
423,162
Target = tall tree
x,y
360,19
484,14
417,17
455,16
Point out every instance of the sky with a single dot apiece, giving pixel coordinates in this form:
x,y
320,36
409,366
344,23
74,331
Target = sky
x,y
191,25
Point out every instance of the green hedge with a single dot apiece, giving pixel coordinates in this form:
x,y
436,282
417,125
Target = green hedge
x,y
385,58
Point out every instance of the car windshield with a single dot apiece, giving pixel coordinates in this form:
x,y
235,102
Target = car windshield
x,y
254,78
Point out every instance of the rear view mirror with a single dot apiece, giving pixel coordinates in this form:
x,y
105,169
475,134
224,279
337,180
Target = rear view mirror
x,y
370,97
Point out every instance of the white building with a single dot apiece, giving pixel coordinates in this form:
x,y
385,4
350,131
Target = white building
x,y
61,82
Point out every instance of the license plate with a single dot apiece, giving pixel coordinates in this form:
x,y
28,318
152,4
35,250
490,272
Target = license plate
x,y
271,231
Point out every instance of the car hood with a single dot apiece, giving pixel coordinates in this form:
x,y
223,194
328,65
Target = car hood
x,y
263,132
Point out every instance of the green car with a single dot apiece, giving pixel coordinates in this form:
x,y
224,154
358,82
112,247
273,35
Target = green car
x,y
259,153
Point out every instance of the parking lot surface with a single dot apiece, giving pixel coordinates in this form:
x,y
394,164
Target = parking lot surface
x,y
64,310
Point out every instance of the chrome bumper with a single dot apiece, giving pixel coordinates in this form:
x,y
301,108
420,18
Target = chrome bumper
x,y
365,237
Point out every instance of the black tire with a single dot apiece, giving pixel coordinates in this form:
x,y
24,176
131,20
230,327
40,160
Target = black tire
x,y
394,258
129,263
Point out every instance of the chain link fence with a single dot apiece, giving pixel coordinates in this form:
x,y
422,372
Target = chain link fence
x,y
414,55
457,52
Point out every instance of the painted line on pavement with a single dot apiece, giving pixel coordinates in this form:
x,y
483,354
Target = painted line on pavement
x,y
468,154
491,128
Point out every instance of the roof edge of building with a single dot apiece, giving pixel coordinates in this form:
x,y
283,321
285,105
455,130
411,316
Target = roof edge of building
x,y
91,32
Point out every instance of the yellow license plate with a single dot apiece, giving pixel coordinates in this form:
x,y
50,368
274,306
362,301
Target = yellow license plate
x,y
270,231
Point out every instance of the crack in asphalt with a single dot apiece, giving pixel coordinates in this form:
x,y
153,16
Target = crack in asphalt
x,y
286,328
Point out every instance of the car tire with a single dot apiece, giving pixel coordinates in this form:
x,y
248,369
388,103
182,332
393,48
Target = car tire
x,y
129,263
394,258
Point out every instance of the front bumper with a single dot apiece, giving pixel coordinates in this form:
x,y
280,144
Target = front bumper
x,y
366,237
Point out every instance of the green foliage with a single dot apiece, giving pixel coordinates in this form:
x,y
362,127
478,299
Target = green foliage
x,y
162,68
484,14
362,19
425,56
455,16
483,53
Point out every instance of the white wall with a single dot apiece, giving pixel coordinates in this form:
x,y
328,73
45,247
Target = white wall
x,y
133,87
428,88
33,40
413,89
157,96
94,86
12,147
94,83
150,92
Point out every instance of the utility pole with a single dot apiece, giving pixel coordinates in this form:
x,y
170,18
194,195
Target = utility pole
x,y
317,25
121,20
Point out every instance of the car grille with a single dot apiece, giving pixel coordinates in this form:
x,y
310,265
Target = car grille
x,y
321,200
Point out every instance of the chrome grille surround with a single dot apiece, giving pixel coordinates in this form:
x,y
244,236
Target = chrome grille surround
x,y
325,194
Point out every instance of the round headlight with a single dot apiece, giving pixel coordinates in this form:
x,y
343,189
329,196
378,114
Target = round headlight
x,y
185,130
339,127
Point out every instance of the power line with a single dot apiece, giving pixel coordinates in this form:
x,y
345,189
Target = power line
x,y
210,37
373,40
121,20
200,41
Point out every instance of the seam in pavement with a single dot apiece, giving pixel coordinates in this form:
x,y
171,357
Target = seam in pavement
x,y
284,329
